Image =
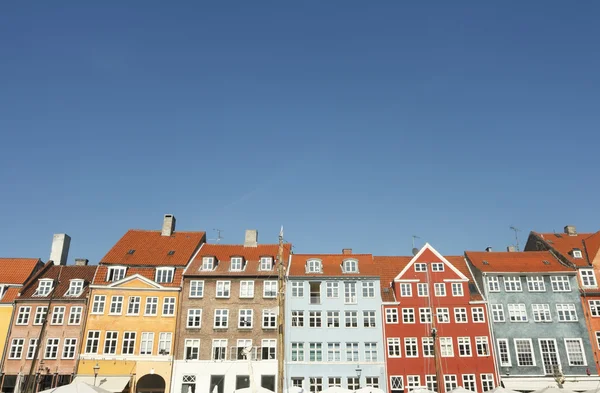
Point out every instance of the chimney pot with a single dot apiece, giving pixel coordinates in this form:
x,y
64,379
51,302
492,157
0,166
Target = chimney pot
x,y
570,230
81,261
346,251
511,249
60,248
488,249
251,239
168,225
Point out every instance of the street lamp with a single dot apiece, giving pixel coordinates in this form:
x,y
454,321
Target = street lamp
x,y
358,372
96,369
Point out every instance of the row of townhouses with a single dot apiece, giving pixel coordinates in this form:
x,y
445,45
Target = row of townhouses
x,y
164,311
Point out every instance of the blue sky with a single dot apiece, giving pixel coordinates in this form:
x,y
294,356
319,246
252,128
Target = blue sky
x,y
353,124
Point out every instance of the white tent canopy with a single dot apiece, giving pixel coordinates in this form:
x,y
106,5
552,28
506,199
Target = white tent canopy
x,y
460,389
293,389
500,389
255,390
336,389
423,390
76,387
553,389
114,384
369,390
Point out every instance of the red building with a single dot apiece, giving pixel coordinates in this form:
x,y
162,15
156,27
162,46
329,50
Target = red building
x,y
435,324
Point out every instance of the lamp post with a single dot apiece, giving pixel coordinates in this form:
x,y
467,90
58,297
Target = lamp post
x,y
358,373
96,369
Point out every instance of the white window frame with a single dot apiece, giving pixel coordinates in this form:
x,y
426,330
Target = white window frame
x,y
245,315
464,345
168,308
536,284
517,312
298,289
75,288
164,275
23,316
516,347
151,306
396,383
478,314
246,289
498,312
350,266
391,315
196,316
442,314
196,289
437,267
408,315
487,382
146,343
115,273
482,343
594,308
314,266
69,348
193,344
208,264
165,342
270,289
236,264
513,284
129,343
425,314
45,286
439,289
493,284
98,304
541,312
58,315
462,313
420,267
269,319
588,278
134,305
221,318
75,314
350,292
411,347
560,283
570,354
116,303
405,289
567,309
394,347
266,263
368,289
223,289
422,290
502,363
16,348
457,289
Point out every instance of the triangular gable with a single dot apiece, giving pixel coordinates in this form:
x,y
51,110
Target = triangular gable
x,y
136,281
425,252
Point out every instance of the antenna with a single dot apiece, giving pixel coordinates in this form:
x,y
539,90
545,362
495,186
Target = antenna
x,y
219,237
414,249
516,230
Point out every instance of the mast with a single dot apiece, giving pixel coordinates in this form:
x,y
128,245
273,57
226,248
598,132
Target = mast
x,y
434,336
280,317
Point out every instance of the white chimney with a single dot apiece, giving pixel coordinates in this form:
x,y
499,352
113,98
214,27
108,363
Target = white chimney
x,y
488,249
251,239
168,225
60,248
511,249
81,261
570,230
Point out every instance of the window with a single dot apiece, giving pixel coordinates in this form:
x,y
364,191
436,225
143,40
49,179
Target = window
x,y
110,343
236,264
223,288
437,267
313,266
541,312
316,384
351,318
40,315
408,315
147,343
315,352
446,348
393,344
413,382
482,346
351,266
98,304
208,263
75,288
297,352
560,284
192,349
549,353
128,343
314,319
369,319
405,289
194,318
595,308
196,288
334,353
439,289
391,315
333,319
350,292
188,383
575,352
587,277
457,289
372,382
247,289
468,381
450,382
332,289
297,318
16,348
503,352
536,284
58,315
168,306
270,289
566,312
268,349
44,287
524,352
493,284
151,306
368,288
577,253
498,313
315,292
478,315
75,315
164,275
425,314
23,315
517,313
464,346
221,318
460,315
512,284
93,339
269,319
411,347
427,343
245,318
335,382
487,382
31,348
116,305
352,352
298,289
431,382
420,267
115,274
443,315
266,263
422,290
396,384
133,306
370,352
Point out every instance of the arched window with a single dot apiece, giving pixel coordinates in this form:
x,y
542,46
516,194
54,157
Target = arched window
x,y
351,266
314,266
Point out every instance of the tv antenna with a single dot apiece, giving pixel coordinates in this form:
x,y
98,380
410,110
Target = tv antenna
x,y
516,230
414,249
219,237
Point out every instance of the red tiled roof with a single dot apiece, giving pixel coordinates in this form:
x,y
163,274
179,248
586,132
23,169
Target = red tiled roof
x,y
389,268
332,265
64,275
515,262
152,249
592,247
460,263
147,272
251,255
17,270
10,295
564,244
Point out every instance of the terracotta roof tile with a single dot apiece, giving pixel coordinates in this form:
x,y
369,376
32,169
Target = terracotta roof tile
x,y
515,262
564,244
147,272
152,249
64,274
17,270
332,265
251,257
10,295
389,268
592,247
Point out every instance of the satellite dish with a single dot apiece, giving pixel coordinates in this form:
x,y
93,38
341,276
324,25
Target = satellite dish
x,y
415,251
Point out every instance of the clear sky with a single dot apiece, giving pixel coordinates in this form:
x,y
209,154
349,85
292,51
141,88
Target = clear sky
x,y
353,124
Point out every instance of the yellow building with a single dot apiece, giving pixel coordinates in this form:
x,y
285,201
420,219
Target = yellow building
x,y
134,300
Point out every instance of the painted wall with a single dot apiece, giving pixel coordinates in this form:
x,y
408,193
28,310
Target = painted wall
x,y
5,316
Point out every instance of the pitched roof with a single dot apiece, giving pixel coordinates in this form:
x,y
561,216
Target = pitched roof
x,y
389,267
332,265
10,295
516,262
64,275
592,247
150,248
565,243
17,270
147,272
251,259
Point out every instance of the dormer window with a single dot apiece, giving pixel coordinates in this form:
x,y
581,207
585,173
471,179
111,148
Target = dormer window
x,y
44,287
164,274
351,266
314,266
588,279
577,253
115,273
75,288
236,264
208,263
266,263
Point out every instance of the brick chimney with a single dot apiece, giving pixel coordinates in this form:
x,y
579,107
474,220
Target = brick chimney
x,y
60,248
251,239
570,230
168,225
81,262
346,251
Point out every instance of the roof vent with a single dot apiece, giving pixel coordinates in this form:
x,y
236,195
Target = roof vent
x,y
485,262
171,252
488,249
386,290
546,262
570,230
130,252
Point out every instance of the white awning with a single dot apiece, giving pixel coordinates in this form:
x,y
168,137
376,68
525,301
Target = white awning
x,y
112,384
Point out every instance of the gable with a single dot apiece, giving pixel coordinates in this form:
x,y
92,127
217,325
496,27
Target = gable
x,y
135,282
428,255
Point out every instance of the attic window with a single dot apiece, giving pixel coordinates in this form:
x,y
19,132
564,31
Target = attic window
x,y
208,263
115,273
437,267
75,288
236,264
266,263
130,252
164,274
351,266
577,253
171,252
314,266
545,262
44,287
485,262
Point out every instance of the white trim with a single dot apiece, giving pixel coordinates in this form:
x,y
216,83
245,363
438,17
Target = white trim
x,y
437,254
557,353
455,280
582,351
517,352
192,258
407,280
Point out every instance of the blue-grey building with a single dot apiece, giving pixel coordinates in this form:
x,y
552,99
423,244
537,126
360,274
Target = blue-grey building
x,y
333,329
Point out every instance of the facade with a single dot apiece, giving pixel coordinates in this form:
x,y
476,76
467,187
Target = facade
x,y
134,299
538,323
46,329
430,293
227,328
333,331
